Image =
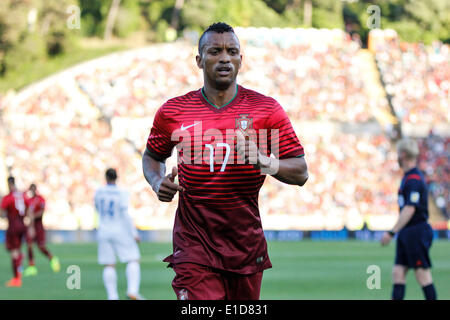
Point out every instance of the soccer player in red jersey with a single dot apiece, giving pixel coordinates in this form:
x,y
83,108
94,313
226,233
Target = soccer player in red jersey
x,y
227,134
14,205
36,233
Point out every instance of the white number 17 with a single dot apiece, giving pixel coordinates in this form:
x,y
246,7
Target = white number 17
x,y
211,156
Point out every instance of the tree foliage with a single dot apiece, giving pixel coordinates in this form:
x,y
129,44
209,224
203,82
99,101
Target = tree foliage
x,y
32,30
414,20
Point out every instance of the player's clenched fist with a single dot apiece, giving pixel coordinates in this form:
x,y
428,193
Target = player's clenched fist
x,y
246,149
168,188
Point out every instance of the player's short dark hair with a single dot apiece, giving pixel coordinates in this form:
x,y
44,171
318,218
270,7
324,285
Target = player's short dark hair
x,y
111,174
11,180
219,27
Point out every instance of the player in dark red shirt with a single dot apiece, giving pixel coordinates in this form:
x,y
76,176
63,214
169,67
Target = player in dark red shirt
x,y
36,233
225,134
14,204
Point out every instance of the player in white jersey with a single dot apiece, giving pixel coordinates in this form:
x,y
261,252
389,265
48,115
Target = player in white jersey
x,y
117,235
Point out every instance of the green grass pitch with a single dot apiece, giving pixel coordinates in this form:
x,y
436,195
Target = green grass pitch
x,y
301,270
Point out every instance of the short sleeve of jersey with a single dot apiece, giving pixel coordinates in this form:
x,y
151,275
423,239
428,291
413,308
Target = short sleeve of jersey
x,y
159,141
289,145
412,192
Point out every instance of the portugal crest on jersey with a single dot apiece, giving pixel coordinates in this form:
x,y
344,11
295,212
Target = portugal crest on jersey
x,y
244,123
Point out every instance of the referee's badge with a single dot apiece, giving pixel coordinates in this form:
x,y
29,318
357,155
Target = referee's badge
x,y
401,201
244,123
414,197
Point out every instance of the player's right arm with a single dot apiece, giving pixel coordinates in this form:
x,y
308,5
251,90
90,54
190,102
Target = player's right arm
x,y
159,148
41,208
412,198
154,172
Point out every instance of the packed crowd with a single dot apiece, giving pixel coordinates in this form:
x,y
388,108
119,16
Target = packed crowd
x,y
314,80
347,173
134,84
435,163
418,79
65,149
314,74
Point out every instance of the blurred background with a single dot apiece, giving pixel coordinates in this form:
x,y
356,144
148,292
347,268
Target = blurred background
x,y
80,82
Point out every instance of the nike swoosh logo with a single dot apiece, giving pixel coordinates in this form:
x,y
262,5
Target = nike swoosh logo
x,y
187,127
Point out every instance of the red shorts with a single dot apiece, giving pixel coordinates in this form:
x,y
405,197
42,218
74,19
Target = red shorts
x,y
39,235
197,282
13,239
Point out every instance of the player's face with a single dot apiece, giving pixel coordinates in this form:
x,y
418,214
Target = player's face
x,y
220,59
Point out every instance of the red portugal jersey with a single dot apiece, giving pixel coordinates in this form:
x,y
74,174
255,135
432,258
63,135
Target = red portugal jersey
x,y
36,204
217,222
15,205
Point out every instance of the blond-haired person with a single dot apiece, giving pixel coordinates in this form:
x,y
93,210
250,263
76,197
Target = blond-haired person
x,y
415,235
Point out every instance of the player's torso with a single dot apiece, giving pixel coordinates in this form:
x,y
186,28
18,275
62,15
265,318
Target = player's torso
x,y
36,204
109,201
209,168
420,196
16,210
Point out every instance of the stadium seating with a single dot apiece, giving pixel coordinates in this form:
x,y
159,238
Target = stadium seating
x,y
434,161
63,132
418,79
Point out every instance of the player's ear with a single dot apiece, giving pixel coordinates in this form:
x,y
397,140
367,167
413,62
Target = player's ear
x,y
198,58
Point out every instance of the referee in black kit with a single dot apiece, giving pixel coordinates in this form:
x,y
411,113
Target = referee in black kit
x,y
414,233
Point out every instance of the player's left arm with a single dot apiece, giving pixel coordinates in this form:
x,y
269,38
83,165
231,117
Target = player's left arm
x,y
291,170
405,216
125,199
40,212
30,214
289,165
132,227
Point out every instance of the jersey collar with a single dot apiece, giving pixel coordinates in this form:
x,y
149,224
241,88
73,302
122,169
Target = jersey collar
x,y
411,171
230,103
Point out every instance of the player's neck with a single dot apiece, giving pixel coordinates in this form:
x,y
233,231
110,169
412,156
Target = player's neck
x,y
218,97
408,165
